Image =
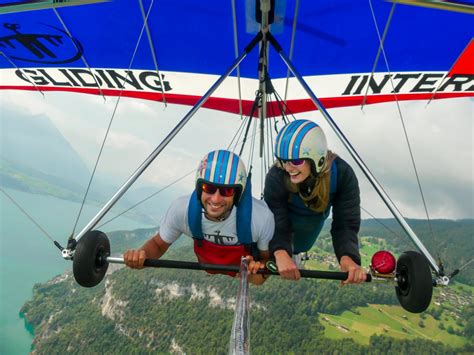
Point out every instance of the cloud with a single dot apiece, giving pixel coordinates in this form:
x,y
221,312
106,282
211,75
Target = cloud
x,y
441,139
440,136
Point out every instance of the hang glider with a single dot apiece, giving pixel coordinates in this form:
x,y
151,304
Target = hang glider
x,y
11,6
205,55
349,52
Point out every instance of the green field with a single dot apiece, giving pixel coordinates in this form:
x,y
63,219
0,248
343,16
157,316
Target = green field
x,y
394,321
321,259
386,320
368,248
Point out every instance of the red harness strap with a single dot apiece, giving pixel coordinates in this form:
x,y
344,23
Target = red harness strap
x,y
211,253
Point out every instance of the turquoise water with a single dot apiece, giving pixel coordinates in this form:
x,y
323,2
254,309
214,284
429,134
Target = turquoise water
x,y
27,256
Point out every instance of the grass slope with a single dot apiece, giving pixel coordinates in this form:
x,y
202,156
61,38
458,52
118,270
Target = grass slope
x,y
393,321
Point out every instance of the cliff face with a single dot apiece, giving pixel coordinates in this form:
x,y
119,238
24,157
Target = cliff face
x,y
111,307
113,315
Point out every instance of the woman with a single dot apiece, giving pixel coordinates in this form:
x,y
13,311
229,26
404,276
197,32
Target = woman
x,y
304,184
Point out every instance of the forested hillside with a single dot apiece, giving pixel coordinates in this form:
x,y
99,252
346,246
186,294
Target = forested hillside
x,y
152,311
450,241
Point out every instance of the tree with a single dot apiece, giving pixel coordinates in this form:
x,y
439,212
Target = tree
x,y
469,329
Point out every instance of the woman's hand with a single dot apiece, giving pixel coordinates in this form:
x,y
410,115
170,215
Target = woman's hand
x,y
356,274
286,266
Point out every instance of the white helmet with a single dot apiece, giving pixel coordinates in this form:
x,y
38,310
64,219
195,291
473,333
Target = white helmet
x,y
302,139
222,168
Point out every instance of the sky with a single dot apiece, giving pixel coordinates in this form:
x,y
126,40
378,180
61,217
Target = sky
x,y
440,135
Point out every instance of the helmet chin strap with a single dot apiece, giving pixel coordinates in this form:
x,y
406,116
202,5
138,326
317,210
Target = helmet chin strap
x,y
313,174
307,186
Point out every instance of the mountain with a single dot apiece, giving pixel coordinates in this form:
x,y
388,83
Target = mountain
x,y
449,241
33,141
176,311
36,158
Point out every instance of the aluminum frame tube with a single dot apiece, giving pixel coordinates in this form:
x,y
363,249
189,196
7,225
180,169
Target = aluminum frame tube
x,y
191,265
265,6
401,220
166,140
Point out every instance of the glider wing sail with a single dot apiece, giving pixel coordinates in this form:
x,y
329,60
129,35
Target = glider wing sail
x,y
159,50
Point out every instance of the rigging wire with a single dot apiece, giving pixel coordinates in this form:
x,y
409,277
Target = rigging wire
x,y
267,157
284,109
83,57
22,72
268,134
381,48
27,215
292,43
256,104
250,136
237,141
465,265
244,140
236,50
152,49
110,123
272,144
237,135
282,106
401,116
253,137
252,142
263,78
381,223
147,198
399,236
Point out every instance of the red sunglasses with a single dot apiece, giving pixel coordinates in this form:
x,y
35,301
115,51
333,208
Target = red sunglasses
x,y
294,162
225,191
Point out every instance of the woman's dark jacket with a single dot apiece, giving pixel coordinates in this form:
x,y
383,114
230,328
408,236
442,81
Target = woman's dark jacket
x,y
345,211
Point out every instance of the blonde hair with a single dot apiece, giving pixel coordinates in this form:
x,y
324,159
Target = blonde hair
x,y
318,198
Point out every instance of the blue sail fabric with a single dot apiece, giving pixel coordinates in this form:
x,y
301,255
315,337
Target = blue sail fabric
x,y
173,52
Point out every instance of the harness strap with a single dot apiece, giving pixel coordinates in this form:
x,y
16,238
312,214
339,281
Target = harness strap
x,y
195,216
244,215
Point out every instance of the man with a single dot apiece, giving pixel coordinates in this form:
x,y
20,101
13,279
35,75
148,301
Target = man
x,y
221,216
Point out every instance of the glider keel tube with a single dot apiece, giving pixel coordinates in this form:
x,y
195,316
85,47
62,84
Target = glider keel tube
x,y
356,157
67,253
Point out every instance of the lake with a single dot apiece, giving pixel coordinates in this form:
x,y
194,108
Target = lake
x,y
28,257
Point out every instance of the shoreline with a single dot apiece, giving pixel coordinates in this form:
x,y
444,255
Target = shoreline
x,y
29,327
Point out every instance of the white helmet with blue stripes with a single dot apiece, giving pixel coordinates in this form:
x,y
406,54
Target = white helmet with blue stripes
x,y
222,168
302,139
